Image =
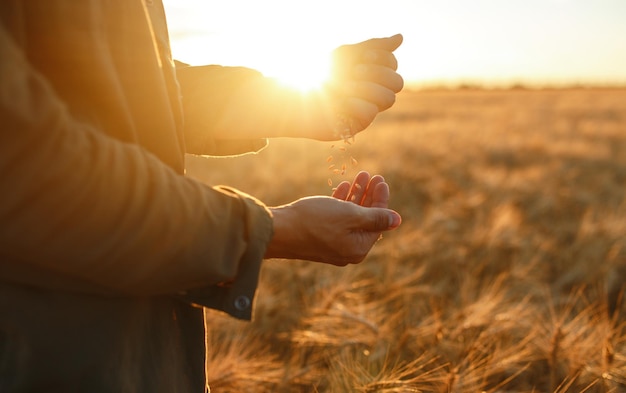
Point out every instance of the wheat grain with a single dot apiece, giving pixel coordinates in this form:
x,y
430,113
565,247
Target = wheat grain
x,y
344,126
344,130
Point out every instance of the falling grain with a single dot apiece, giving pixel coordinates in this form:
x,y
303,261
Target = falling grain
x,y
344,131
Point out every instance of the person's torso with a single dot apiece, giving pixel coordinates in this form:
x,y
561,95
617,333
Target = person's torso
x,y
109,62
68,342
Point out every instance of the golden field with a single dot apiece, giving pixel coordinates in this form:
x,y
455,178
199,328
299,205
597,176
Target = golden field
x,y
505,275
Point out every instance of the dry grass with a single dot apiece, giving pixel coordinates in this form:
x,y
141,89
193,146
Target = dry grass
x,y
503,277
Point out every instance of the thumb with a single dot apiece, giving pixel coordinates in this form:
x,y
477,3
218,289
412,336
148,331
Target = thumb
x,y
379,219
387,43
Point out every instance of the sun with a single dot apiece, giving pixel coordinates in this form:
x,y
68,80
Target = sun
x,y
302,79
304,76
285,44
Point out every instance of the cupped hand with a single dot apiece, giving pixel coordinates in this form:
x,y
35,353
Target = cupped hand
x,y
334,230
364,79
364,190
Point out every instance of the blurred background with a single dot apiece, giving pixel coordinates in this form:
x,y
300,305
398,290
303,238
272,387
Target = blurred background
x,y
506,157
446,42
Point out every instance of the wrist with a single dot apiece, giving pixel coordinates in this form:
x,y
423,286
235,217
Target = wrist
x,y
277,245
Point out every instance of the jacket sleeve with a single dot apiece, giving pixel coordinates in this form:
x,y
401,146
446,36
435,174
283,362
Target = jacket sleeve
x,y
82,211
205,93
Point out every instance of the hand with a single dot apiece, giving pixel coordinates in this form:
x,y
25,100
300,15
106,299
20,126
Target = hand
x,y
364,80
331,229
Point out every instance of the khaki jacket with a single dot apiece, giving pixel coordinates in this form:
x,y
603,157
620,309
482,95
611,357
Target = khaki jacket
x,y
107,252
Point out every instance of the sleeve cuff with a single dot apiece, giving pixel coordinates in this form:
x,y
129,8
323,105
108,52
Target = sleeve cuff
x,y
211,147
236,298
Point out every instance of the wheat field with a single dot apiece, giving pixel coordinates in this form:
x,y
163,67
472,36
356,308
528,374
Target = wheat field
x,y
505,276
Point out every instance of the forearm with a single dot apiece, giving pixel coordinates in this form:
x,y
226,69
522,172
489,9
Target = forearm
x,y
264,108
233,103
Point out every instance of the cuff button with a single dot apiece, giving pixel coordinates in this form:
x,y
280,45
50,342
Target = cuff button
x,y
242,303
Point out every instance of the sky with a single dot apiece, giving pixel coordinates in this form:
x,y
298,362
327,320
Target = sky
x,y
445,42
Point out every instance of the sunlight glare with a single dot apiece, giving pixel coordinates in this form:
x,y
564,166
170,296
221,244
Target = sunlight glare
x,y
286,44
304,76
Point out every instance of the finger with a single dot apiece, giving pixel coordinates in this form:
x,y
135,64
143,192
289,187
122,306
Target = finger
x,y
383,76
361,112
376,50
373,195
380,57
342,190
380,96
380,195
387,43
359,187
380,219
374,93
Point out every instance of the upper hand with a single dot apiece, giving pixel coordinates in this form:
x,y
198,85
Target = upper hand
x,y
364,82
364,79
